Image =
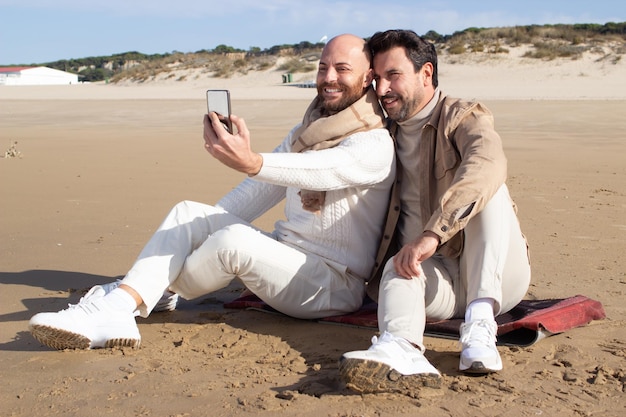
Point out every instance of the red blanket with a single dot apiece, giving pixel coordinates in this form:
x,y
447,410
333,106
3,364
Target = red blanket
x,y
527,323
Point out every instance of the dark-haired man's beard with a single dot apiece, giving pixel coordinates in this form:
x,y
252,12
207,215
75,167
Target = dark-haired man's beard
x,y
405,111
350,94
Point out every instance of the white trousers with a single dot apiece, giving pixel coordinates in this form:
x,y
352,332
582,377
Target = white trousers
x,y
494,264
200,249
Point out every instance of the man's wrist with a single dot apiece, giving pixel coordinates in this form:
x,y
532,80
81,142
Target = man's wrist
x,y
431,234
256,166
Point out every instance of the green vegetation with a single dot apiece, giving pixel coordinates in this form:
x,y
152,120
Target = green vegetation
x,y
297,65
102,67
546,41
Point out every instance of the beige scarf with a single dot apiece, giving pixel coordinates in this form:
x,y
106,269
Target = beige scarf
x,y
322,132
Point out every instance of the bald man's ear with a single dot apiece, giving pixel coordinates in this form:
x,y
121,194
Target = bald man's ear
x,y
369,77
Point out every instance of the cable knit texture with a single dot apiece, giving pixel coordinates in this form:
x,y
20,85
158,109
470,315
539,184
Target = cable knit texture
x,y
356,174
321,131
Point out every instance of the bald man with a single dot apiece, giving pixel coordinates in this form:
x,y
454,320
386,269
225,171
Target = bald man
x,y
334,170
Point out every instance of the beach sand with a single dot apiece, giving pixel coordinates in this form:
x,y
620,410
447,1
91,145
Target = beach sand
x,y
101,165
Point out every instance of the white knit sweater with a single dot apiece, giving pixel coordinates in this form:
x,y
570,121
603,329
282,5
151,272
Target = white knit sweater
x,y
357,175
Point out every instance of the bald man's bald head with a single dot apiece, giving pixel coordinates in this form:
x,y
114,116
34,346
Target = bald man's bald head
x,y
360,51
344,72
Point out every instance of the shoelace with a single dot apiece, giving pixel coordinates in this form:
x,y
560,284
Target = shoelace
x,y
71,306
88,308
479,333
383,339
84,304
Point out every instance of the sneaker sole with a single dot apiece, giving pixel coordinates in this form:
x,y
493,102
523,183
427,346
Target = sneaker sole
x,y
479,368
166,304
369,377
163,309
62,339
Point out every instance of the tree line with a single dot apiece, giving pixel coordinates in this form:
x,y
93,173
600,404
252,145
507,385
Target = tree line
x,y
101,68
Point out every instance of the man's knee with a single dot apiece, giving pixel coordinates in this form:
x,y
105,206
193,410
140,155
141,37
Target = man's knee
x,y
187,210
193,207
235,236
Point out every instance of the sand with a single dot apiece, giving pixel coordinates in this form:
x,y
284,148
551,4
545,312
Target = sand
x,y
102,164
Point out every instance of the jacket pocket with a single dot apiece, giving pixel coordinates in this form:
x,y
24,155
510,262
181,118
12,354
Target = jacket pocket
x,y
445,163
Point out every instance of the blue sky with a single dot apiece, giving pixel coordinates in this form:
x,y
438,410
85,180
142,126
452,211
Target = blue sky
x,y
39,31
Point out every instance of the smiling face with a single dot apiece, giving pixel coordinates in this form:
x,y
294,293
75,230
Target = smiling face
x,y
402,91
343,74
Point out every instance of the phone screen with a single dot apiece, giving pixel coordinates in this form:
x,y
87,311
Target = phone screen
x,y
218,101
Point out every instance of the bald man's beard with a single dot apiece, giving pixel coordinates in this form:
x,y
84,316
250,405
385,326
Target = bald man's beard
x,y
350,95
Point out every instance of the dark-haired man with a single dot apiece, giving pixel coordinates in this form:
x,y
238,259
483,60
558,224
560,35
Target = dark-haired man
x,y
458,251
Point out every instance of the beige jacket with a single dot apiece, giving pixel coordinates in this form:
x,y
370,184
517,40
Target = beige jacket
x,y
462,165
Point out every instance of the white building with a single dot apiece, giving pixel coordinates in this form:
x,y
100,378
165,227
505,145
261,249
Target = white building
x,y
35,76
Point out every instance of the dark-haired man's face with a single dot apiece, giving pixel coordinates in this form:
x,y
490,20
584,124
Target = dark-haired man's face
x,y
402,91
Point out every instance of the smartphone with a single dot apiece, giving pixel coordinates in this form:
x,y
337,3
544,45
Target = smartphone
x,y
218,101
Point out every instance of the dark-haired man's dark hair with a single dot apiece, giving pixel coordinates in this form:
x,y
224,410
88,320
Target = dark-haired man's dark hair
x,y
418,50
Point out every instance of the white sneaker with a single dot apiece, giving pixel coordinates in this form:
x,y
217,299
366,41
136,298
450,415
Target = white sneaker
x,y
167,302
478,341
391,364
92,323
